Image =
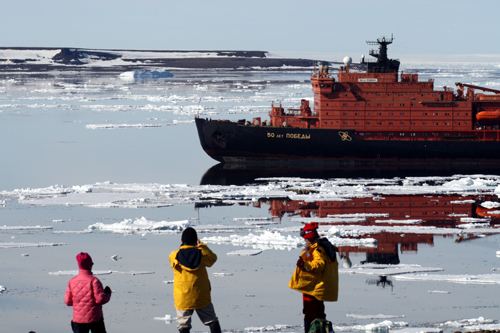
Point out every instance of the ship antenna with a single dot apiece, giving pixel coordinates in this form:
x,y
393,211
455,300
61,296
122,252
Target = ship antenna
x,y
199,101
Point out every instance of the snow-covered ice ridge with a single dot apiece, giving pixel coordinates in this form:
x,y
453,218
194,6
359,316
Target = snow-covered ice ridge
x,y
15,58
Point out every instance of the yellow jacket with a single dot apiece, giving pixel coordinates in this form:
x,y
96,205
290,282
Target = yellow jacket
x,y
319,276
191,283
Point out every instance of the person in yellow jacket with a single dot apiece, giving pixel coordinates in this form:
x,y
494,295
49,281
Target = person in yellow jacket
x,y
316,275
191,283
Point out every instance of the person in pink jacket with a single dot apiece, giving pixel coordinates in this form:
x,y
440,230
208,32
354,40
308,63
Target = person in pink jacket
x,y
86,294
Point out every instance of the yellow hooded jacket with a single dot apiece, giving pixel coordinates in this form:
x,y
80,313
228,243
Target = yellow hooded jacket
x,y
319,276
191,283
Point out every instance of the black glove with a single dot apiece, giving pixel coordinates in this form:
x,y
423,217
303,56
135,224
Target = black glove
x,y
107,290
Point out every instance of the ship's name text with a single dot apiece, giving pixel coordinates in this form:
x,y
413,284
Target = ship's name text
x,y
288,135
367,80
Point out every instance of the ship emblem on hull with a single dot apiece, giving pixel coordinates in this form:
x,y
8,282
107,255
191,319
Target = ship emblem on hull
x,y
345,136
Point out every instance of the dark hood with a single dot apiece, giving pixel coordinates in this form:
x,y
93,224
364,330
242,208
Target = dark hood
x,y
189,257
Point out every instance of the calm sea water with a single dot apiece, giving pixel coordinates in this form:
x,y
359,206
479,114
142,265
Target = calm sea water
x,y
73,129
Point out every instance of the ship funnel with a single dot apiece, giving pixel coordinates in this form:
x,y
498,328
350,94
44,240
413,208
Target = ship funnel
x,y
347,61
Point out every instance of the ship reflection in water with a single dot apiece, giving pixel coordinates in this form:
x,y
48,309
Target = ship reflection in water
x,y
387,215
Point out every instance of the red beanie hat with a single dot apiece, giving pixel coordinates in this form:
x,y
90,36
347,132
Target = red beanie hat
x,y
84,260
310,230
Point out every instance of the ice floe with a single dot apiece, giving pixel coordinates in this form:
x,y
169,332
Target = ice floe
x,y
244,253
383,326
141,225
462,278
101,272
36,227
266,240
377,316
21,245
145,75
167,319
417,330
111,126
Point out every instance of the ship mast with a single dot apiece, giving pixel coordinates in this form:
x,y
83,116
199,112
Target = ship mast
x,y
383,63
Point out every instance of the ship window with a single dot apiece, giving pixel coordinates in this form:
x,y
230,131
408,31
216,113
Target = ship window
x,y
345,123
345,104
391,104
345,113
378,104
368,123
401,123
458,114
356,123
402,104
425,114
434,114
391,123
391,114
401,134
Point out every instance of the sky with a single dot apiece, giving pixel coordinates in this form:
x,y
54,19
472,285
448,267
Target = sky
x,y
294,27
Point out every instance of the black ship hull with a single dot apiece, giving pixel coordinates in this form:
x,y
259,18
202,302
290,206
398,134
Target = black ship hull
x,y
231,142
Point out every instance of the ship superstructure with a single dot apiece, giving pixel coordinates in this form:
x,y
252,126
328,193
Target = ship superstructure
x,y
382,103
381,114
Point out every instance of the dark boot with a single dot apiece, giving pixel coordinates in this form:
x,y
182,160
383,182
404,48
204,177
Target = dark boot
x,y
307,325
184,330
215,327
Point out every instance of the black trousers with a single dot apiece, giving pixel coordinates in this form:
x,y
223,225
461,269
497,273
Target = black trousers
x,y
97,327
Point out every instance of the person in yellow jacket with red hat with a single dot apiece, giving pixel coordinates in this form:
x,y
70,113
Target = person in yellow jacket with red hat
x,y
191,283
316,275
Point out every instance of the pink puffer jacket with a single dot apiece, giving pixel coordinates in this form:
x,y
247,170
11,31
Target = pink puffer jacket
x,y
86,295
